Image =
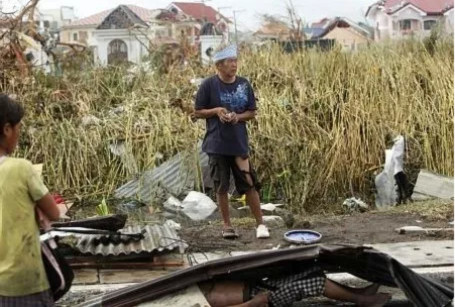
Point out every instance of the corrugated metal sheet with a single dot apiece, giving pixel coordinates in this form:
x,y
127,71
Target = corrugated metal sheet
x,y
360,261
158,238
175,175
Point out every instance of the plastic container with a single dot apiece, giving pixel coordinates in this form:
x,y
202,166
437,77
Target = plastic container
x,y
302,236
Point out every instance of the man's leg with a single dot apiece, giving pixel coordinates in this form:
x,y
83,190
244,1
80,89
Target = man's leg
x,y
246,182
223,293
368,290
220,173
252,196
223,203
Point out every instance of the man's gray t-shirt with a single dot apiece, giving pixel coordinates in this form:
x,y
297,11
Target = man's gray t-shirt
x,y
225,138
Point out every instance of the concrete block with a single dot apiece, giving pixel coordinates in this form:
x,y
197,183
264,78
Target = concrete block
x,y
420,253
435,185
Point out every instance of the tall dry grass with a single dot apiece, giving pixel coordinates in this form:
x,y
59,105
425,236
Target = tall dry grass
x,y
318,136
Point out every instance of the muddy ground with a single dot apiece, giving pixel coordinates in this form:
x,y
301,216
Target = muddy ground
x,y
359,228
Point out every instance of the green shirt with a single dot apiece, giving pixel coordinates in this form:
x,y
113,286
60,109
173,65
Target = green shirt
x,y
21,267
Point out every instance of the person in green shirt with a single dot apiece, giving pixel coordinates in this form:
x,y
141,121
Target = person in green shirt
x,y
23,280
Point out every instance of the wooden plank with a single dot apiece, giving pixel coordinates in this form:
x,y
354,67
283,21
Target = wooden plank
x,y
125,265
435,185
141,262
85,276
129,276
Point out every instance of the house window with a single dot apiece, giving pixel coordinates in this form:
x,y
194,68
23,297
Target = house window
x,y
74,36
429,24
46,24
405,24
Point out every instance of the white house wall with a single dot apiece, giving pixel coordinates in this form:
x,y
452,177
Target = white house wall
x,y
408,12
384,23
136,49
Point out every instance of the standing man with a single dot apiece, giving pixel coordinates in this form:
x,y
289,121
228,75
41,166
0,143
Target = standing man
x,y
227,102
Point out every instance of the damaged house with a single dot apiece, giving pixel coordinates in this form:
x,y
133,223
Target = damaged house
x,y
127,32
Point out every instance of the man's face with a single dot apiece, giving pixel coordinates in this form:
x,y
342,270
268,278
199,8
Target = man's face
x,y
228,67
11,137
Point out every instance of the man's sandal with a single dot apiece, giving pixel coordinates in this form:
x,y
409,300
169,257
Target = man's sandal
x,y
229,233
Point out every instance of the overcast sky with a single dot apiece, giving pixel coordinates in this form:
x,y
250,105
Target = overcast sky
x,y
247,19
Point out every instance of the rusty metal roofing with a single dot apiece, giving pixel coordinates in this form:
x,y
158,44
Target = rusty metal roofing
x,y
175,175
157,238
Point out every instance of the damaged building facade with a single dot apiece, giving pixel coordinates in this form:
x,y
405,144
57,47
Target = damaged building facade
x,y
129,32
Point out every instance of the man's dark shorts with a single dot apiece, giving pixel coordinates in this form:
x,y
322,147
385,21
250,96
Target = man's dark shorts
x,y
220,170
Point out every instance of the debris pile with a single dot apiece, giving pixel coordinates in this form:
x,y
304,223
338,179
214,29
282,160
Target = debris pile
x,y
24,48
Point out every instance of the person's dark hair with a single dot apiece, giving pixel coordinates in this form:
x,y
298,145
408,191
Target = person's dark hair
x,y
10,112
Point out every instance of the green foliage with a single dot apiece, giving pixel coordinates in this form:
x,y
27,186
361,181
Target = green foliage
x,y
102,209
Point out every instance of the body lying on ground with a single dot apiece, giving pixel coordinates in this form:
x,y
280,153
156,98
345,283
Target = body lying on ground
x,y
286,290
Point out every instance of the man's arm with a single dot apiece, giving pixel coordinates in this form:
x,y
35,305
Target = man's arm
x,y
246,116
207,113
243,117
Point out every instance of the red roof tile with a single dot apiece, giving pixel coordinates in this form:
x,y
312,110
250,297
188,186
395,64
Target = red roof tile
x,y
428,6
199,11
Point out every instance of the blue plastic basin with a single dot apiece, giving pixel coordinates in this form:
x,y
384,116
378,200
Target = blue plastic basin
x,y
302,236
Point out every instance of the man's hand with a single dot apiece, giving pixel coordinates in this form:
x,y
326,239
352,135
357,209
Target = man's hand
x,y
234,118
222,114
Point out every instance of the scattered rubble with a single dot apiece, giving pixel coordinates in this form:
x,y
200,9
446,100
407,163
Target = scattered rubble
x,y
173,205
273,221
353,204
130,206
173,225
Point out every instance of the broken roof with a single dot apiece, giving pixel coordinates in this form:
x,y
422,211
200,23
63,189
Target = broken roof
x,y
96,19
363,262
121,17
341,22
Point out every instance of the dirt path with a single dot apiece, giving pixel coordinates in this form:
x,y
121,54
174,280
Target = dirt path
x,y
361,228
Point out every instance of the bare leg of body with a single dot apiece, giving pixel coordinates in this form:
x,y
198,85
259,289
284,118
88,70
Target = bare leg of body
x,y
252,196
223,293
346,294
230,294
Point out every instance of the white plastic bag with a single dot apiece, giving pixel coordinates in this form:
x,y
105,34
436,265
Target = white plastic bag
x,y
198,206
386,192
